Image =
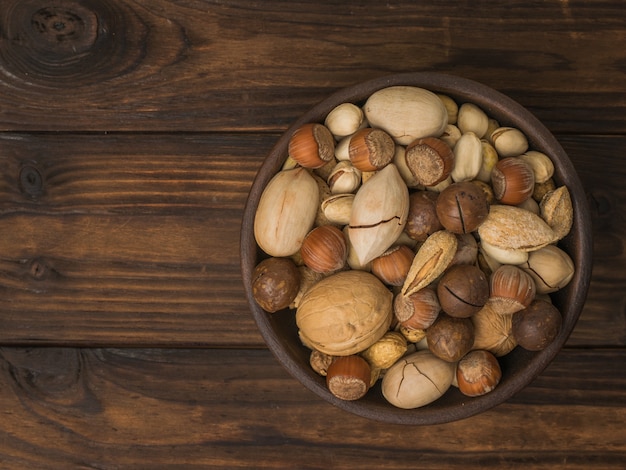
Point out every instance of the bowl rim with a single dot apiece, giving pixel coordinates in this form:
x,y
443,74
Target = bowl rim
x,y
579,241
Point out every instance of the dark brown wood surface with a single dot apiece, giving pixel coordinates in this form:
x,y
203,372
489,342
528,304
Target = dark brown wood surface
x,y
130,133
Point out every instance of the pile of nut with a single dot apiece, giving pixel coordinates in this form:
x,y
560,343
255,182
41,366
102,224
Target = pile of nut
x,y
417,241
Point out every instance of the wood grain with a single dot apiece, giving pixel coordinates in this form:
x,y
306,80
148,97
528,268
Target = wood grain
x,y
161,65
134,239
90,408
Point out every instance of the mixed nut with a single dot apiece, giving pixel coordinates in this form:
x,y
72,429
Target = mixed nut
x,y
417,241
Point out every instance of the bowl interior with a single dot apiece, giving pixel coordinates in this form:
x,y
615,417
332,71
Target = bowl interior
x,y
518,367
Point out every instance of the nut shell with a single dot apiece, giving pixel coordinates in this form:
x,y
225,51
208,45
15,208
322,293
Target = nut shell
x,y
349,377
393,265
386,351
418,310
406,113
312,145
417,380
275,283
478,373
511,289
324,249
430,160
450,338
513,181
371,149
345,313
462,207
286,212
463,290
535,327
422,219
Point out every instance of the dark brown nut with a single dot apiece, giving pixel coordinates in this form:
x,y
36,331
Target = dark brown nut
x,y
349,377
462,207
535,327
312,145
467,249
371,149
450,338
430,160
463,290
275,283
393,265
417,311
478,373
422,220
324,249
513,181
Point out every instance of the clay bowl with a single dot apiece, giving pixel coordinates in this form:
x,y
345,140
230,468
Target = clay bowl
x,y
520,367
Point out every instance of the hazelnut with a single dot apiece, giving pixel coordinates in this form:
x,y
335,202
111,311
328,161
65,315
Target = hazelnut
x,y
393,265
513,181
371,149
536,326
478,373
418,310
463,290
450,338
349,377
275,283
430,160
512,289
462,207
422,219
312,145
324,249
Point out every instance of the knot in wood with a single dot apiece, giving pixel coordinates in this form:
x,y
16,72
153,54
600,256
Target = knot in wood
x,y
68,41
31,181
64,30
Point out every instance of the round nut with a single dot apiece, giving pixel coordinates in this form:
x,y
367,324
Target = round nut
x,y
349,377
462,207
511,288
422,219
450,338
513,181
478,373
324,249
312,145
371,149
430,160
393,265
418,310
463,290
275,283
536,326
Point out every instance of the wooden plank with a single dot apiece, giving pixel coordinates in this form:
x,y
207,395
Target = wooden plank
x,y
161,65
134,239
86,408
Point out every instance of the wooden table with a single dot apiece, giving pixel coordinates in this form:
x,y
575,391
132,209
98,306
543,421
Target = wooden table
x,y
131,131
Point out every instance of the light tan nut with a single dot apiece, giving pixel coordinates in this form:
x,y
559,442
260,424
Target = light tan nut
x,y
417,380
513,228
557,210
431,260
386,351
379,214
